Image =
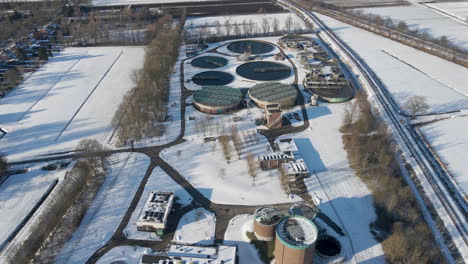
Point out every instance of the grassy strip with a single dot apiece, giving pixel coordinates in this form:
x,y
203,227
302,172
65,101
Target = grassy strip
x,y
400,225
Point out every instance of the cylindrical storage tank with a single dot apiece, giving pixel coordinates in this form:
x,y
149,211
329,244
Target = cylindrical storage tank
x,y
264,94
265,220
295,240
217,99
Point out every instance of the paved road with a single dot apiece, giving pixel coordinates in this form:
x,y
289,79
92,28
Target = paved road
x,y
224,213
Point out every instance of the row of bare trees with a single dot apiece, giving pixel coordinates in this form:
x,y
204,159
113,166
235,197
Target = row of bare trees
x,y
400,226
61,212
244,28
143,109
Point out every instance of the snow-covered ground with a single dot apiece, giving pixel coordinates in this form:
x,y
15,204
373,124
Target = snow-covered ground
x,y
196,227
339,193
427,20
20,193
406,71
450,140
125,254
107,209
457,9
157,181
203,164
72,97
235,235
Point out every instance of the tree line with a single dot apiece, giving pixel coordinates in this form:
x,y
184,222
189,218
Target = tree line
x,y
245,28
143,109
399,226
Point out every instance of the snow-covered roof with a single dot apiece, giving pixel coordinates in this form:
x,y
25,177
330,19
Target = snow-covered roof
x,y
295,167
297,232
202,255
287,145
156,209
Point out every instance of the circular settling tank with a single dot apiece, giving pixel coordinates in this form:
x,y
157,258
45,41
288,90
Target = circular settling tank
x,y
209,62
255,47
264,94
264,71
217,99
328,247
212,78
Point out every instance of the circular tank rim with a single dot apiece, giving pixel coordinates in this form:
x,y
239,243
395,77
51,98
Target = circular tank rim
x,y
203,56
224,106
291,71
294,246
252,40
233,78
275,223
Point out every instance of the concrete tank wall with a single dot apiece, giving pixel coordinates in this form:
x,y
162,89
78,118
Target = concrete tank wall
x,y
288,255
264,232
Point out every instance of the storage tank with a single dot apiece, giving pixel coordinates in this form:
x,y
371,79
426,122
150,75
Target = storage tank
x,y
295,240
265,220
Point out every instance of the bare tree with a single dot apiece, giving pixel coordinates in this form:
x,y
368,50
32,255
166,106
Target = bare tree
x,y
237,30
227,151
288,23
265,25
416,105
245,27
12,77
236,139
276,24
351,114
227,27
252,166
219,29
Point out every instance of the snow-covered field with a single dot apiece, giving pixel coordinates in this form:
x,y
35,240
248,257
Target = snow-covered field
x,y
406,71
450,140
20,193
236,236
107,209
158,180
72,97
457,9
428,20
196,227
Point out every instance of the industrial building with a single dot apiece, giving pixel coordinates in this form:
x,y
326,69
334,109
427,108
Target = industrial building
x,y
264,94
153,217
182,254
295,240
265,221
273,116
217,99
273,161
295,42
295,170
328,83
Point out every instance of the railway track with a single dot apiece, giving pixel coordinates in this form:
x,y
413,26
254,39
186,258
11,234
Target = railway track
x,y
442,188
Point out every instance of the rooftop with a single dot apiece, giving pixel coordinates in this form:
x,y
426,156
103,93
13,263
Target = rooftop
x,y
295,167
157,208
267,215
297,232
273,91
218,96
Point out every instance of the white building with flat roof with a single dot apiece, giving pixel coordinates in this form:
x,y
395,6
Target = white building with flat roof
x,y
153,216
